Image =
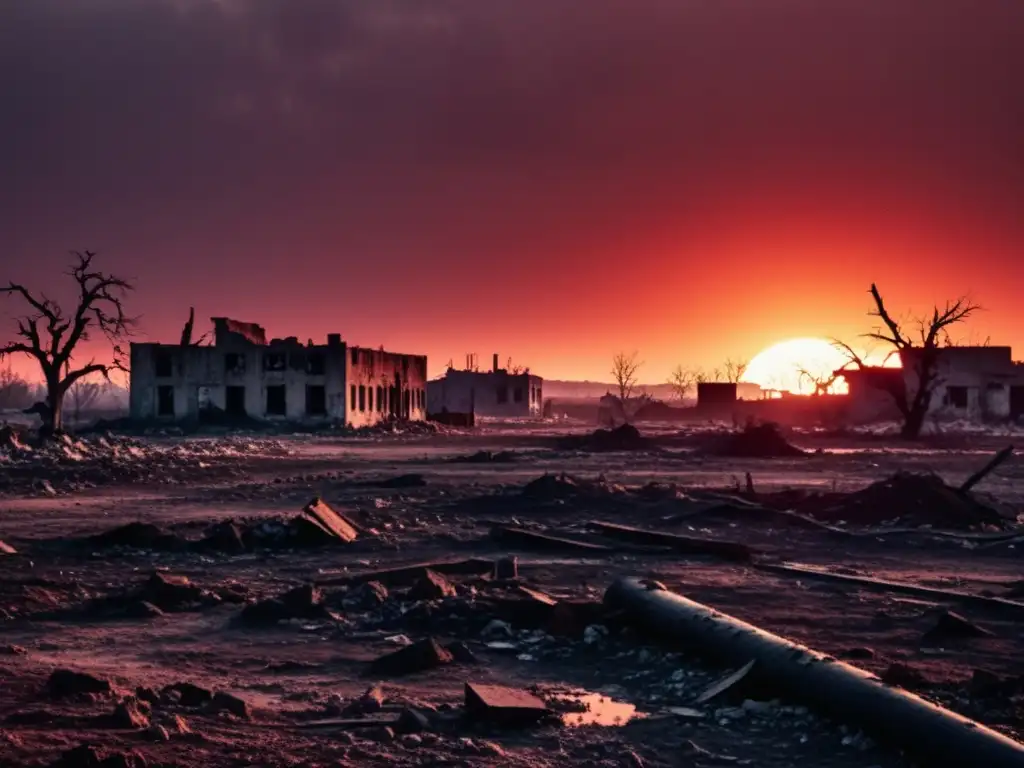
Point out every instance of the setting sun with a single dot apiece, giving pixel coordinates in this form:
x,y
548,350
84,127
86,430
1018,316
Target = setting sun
x,y
780,366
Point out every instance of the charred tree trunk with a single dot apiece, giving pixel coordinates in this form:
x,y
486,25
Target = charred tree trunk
x,y
53,420
913,422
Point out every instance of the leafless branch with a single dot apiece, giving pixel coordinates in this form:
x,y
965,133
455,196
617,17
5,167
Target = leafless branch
x,y
624,371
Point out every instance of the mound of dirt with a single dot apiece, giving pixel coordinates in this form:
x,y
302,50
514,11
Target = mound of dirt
x,y
756,441
623,438
914,499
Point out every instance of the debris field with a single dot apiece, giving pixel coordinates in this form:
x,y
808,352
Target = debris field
x,y
510,597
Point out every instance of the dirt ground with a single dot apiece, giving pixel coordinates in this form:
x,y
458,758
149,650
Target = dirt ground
x,y
289,692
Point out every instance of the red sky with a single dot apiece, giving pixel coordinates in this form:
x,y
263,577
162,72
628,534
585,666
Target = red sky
x,y
547,179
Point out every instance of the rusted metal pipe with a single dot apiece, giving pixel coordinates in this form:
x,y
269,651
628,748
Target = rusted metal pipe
x,y
845,692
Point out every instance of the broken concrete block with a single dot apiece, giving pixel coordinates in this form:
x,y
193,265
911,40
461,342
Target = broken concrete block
x,y
432,586
319,524
224,537
418,657
7,549
461,653
504,706
227,702
67,682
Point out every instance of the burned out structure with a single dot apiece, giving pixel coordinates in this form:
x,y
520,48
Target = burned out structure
x,y
975,383
497,393
243,375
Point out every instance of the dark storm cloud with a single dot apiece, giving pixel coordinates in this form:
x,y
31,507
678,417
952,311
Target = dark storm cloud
x,y
389,114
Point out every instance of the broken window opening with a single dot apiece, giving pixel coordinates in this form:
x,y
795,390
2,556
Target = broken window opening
x,y
274,361
380,398
355,356
316,365
276,401
316,400
234,364
502,394
369,399
165,401
164,364
956,397
352,398
234,401
517,395
362,397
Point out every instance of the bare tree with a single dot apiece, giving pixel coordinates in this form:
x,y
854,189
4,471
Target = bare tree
x,y
624,370
920,356
51,336
682,380
15,392
821,382
734,370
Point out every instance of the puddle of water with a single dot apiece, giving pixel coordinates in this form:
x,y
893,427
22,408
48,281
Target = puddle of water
x,y
594,709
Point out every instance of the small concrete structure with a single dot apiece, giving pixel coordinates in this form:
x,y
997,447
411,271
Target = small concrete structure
x,y
497,393
975,383
243,375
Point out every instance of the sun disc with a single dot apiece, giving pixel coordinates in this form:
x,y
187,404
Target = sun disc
x,y
795,365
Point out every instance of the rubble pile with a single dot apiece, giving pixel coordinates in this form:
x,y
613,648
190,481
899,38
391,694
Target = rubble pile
x,y
754,441
911,498
622,438
67,463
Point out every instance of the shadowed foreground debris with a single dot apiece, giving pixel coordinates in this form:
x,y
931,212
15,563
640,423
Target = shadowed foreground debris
x,y
797,672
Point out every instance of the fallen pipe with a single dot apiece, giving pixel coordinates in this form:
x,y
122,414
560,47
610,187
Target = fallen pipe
x,y
840,690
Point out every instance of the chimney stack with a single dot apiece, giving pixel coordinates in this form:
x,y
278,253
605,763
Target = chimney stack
x,y
495,368
333,339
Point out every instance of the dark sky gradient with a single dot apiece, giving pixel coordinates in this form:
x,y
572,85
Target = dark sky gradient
x,y
550,179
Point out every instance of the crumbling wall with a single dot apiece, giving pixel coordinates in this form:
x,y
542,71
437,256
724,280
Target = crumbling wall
x,y
384,385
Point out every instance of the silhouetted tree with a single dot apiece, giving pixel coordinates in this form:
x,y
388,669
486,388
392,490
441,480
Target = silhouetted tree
x,y
822,383
733,370
920,356
51,336
682,380
624,370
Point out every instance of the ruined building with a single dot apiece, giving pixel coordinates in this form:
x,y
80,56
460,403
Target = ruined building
x,y
497,393
976,383
243,375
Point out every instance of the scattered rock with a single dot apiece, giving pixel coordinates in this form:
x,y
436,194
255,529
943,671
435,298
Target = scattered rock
x,y
7,549
177,724
461,652
225,536
904,676
128,714
370,702
432,586
412,721
158,733
227,702
187,695
623,438
859,654
174,593
366,597
137,535
506,568
504,706
67,682
381,734
12,650
305,602
953,626
418,657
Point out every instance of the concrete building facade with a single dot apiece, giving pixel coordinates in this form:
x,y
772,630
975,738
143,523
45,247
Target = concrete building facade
x,y
975,383
242,374
497,393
